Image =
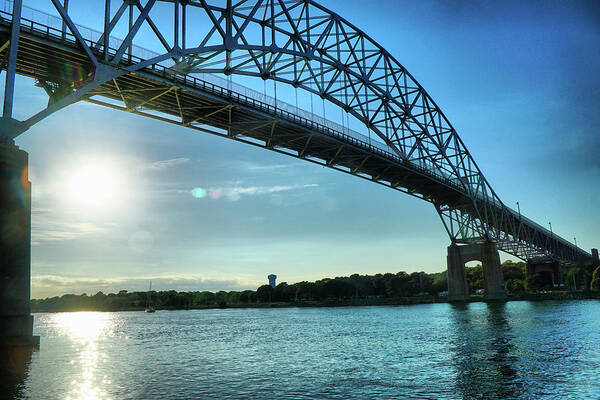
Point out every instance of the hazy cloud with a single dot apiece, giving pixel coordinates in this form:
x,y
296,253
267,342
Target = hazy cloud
x,y
166,164
234,193
46,228
256,167
56,285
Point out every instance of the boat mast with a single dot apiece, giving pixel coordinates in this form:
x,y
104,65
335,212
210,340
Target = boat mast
x,y
148,299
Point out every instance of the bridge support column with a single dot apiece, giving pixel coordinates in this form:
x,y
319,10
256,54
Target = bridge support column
x,y
458,289
16,321
549,270
487,253
492,272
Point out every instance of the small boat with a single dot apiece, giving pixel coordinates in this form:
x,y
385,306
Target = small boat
x,y
149,308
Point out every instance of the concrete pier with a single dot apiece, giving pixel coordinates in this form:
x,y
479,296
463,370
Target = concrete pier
x,y
487,253
493,277
458,289
16,321
549,270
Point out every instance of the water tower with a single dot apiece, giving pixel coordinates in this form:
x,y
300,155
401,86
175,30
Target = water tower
x,y
272,279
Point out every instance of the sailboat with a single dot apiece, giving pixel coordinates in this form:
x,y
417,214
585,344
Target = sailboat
x,y
149,308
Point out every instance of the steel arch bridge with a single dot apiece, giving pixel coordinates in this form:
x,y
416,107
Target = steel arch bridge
x,y
295,42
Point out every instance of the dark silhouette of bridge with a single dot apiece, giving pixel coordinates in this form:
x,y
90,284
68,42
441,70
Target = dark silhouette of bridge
x,y
410,147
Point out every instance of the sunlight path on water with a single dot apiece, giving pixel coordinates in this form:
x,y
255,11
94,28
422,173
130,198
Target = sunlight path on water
x,y
85,330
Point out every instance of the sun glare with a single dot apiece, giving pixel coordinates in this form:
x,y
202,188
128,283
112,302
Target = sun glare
x,y
83,326
85,329
93,184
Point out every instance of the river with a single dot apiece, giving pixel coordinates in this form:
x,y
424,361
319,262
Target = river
x,y
515,350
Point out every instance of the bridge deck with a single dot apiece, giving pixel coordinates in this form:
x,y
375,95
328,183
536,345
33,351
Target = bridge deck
x,y
159,93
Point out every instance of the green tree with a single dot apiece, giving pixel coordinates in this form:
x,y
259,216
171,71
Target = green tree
x,y
338,288
248,296
595,284
579,278
304,290
511,270
440,282
264,293
399,285
588,272
379,285
284,292
534,282
474,277
205,298
514,285
233,297
420,282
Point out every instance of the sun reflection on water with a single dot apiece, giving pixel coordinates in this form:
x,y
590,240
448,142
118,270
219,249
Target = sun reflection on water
x,y
84,330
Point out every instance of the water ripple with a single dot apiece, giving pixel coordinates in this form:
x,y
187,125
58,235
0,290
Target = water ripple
x,y
517,350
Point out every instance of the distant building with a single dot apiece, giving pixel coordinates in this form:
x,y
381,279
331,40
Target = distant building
x,y
272,279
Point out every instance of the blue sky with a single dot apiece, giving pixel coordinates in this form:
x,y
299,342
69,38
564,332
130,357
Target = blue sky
x,y
518,80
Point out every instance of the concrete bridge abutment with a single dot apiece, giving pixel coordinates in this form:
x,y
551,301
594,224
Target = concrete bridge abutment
x,y
549,270
487,253
16,321
458,290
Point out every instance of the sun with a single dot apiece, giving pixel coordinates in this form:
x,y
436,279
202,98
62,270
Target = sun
x,y
94,184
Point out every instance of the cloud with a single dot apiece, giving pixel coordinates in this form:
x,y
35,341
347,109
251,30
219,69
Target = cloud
x,y
56,285
234,193
255,167
47,230
166,164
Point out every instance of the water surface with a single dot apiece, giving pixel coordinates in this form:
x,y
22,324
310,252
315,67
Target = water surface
x,y
520,350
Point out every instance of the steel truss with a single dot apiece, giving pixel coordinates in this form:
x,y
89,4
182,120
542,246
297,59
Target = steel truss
x,y
299,43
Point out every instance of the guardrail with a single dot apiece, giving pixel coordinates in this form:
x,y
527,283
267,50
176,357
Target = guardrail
x,y
52,28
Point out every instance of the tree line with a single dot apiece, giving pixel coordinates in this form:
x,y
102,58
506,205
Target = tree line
x,y
377,286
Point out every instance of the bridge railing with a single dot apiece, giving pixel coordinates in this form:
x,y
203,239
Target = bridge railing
x,y
54,24
51,25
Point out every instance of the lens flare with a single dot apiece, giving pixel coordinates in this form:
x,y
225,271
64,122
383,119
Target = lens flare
x,y
215,194
198,192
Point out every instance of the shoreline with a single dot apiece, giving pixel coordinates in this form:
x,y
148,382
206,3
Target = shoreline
x,y
357,302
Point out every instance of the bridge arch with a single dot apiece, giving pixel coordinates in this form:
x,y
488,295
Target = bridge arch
x,y
328,56
305,45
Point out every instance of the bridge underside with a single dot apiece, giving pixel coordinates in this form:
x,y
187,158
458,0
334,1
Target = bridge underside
x,y
160,94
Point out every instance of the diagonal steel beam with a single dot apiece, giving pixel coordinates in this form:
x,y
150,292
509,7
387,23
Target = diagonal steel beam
x,y
151,99
132,32
74,31
112,25
9,88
